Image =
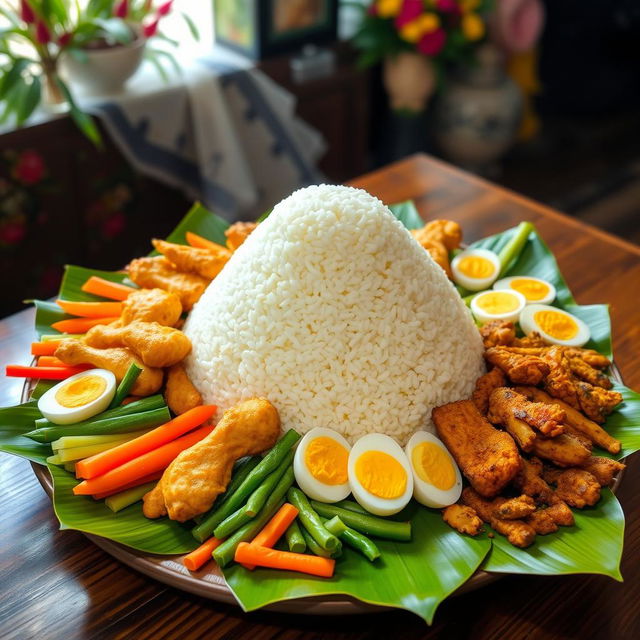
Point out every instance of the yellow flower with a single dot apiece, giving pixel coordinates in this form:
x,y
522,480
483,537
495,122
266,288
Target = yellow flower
x,y
472,26
414,30
388,8
469,5
429,22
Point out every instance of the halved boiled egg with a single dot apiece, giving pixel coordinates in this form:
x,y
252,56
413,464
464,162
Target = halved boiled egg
x,y
320,465
437,482
475,269
554,325
380,475
79,397
497,305
535,290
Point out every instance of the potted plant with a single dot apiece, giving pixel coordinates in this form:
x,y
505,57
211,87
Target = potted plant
x,y
101,42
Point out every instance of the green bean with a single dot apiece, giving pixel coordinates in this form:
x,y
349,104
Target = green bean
x,y
120,424
353,538
119,501
237,498
511,251
294,537
313,546
369,525
125,385
310,520
224,554
350,505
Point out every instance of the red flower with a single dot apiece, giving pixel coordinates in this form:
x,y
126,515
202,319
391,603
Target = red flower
x,y
164,9
26,12
149,30
410,10
43,35
448,6
12,233
29,169
65,39
114,225
431,43
122,9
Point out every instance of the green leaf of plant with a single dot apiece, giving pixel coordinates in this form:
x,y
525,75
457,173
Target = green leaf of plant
x,y
407,213
116,29
31,100
624,423
201,221
416,575
195,34
150,56
15,421
84,121
13,76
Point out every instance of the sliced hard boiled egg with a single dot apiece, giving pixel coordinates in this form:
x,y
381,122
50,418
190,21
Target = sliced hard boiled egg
x,y
380,475
535,290
475,269
554,325
497,305
320,465
437,482
79,397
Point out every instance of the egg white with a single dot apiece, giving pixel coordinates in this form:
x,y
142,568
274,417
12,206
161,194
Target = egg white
x,y
529,325
313,487
53,411
482,315
426,493
475,284
505,283
375,504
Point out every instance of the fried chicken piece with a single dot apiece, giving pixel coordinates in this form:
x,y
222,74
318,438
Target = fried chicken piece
x,y
159,272
518,368
580,369
529,481
463,519
498,333
179,391
202,262
560,513
517,532
563,450
439,237
578,488
515,508
522,433
155,344
546,418
238,232
199,474
603,469
559,382
485,384
596,403
588,356
541,522
116,360
533,340
486,456
150,305
574,419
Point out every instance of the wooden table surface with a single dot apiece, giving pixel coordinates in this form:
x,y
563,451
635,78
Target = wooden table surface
x,y
56,584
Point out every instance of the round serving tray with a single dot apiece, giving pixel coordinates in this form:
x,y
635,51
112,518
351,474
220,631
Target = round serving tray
x,y
209,583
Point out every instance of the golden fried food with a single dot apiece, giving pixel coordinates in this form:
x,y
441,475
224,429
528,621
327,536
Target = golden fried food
x,y
603,469
520,369
541,522
463,519
486,456
580,369
238,232
179,391
596,403
563,450
560,513
202,262
485,384
578,488
515,508
506,403
588,356
199,474
498,333
150,305
439,237
159,272
559,382
116,360
155,344
589,429
521,432
532,341
529,481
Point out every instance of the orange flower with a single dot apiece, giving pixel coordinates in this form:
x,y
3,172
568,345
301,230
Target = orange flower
x,y
472,26
388,8
414,30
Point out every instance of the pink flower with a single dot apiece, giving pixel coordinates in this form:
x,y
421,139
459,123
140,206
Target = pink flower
x,y
114,225
150,29
64,39
122,9
448,6
410,10
29,169
43,35
12,233
26,12
431,43
164,9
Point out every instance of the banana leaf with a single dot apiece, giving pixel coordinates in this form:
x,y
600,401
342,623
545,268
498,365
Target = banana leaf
x,y
15,421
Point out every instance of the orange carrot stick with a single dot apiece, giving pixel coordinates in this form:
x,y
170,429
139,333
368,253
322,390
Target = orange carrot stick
x,y
100,463
51,361
145,464
156,475
44,348
107,289
90,309
202,243
44,373
264,557
200,556
80,325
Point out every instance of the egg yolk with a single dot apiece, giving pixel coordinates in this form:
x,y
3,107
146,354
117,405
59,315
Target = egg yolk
x,y
497,302
381,474
433,465
82,391
556,324
327,461
476,267
531,289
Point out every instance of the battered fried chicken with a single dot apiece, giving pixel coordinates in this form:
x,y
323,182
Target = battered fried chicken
x,y
529,481
179,391
519,369
541,522
462,518
150,305
603,469
522,433
486,456
532,341
485,384
155,344
515,508
596,403
199,474
238,232
559,381
578,488
560,512
160,272
587,373
563,450
202,262
589,356
116,360
439,238
498,333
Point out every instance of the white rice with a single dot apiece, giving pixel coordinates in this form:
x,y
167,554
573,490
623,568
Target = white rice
x,y
333,312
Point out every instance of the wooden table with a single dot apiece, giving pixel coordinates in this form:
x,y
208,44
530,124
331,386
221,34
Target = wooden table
x,y
58,585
